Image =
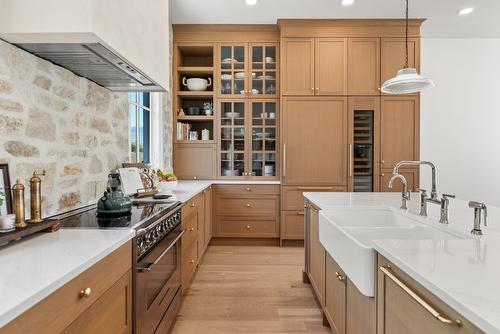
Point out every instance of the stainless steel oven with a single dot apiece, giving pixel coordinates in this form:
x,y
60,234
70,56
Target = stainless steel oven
x,y
158,278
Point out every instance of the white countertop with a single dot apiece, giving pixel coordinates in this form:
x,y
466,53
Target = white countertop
x,y
463,273
32,269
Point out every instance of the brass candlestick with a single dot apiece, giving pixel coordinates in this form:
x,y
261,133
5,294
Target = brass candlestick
x,y
18,199
36,198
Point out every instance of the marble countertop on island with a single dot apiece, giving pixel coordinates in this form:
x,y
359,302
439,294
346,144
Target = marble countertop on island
x,y
464,273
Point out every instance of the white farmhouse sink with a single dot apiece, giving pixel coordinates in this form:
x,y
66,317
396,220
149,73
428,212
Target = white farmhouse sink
x,y
347,234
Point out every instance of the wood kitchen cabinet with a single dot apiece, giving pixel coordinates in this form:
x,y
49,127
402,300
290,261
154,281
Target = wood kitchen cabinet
x,y
194,161
247,211
393,56
248,70
399,130
400,309
315,141
207,193
105,308
335,296
248,147
314,66
363,66
316,256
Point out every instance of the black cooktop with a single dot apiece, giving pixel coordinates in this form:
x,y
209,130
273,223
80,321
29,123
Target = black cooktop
x,y
141,215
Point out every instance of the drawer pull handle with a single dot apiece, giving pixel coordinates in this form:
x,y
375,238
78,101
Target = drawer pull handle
x,y
314,188
191,229
340,277
248,227
387,271
248,205
85,293
193,205
248,189
191,261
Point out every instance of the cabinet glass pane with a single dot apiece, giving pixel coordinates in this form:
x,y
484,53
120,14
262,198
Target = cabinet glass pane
x,y
263,70
232,134
263,138
363,151
232,74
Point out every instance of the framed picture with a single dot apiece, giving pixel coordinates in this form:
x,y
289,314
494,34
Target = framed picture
x,y
6,207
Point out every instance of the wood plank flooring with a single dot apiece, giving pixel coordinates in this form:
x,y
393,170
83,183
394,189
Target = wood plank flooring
x,y
250,289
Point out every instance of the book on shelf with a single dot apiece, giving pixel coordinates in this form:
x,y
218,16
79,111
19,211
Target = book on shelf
x,y
183,131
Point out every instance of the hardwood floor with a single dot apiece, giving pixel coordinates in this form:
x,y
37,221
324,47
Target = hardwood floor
x,y
250,289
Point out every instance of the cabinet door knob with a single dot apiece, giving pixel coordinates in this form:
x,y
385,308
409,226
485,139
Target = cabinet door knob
x,y
193,205
383,161
191,261
382,174
340,277
195,178
248,205
248,189
248,227
191,229
85,293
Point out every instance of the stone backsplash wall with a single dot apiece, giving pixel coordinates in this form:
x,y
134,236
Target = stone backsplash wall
x,y
52,119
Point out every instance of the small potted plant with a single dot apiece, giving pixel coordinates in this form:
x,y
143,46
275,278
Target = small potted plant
x,y
168,180
7,222
208,108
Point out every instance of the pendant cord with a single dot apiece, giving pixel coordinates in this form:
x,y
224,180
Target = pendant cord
x,y
406,36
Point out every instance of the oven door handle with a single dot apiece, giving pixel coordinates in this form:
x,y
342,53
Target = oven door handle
x,y
148,266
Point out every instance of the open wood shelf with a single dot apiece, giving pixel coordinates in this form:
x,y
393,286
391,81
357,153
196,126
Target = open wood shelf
x,y
198,142
195,118
195,70
195,94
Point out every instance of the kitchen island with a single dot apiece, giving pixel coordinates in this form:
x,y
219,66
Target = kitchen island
x,y
458,272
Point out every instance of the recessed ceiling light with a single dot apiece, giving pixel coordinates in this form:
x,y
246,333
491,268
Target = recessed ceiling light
x,y
347,2
465,11
251,2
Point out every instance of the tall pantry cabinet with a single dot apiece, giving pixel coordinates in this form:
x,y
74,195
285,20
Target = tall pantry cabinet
x,y
339,132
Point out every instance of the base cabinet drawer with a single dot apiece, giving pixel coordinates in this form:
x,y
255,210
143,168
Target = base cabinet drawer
x,y
292,225
401,311
248,206
80,296
248,189
246,227
293,196
110,314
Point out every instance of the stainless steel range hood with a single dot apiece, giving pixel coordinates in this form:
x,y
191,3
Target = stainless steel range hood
x,y
94,62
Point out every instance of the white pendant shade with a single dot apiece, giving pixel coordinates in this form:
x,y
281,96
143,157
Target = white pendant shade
x,y
407,81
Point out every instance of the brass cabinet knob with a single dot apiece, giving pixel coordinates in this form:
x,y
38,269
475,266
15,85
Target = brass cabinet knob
x,y
191,261
195,177
340,277
248,189
193,205
248,227
383,161
191,229
85,293
382,174
248,205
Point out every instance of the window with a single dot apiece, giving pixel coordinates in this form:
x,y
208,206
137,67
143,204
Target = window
x,y
140,127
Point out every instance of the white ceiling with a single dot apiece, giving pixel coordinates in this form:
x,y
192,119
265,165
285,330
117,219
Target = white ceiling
x,y
442,17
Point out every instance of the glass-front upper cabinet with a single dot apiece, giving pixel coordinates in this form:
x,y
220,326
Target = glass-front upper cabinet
x,y
248,70
233,70
263,69
264,147
248,139
232,139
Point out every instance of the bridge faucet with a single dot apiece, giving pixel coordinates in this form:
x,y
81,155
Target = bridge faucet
x,y
419,163
405,194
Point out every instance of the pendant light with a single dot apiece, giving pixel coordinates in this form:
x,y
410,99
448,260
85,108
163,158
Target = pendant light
x,y
407,80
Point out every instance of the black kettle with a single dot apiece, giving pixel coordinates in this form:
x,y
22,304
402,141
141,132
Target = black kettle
x,y
114,202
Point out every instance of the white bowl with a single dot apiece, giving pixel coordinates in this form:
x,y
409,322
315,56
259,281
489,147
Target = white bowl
x,y
168,185
226,76
197,84
239,75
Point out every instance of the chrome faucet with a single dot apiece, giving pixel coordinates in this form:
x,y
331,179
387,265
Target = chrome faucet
x,y
419,163
478,208
405,194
